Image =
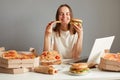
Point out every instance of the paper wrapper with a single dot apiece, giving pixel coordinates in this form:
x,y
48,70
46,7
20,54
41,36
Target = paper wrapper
x,y
45,69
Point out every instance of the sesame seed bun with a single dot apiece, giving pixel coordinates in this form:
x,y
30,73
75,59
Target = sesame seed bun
x,y
76,20
79,65
79,68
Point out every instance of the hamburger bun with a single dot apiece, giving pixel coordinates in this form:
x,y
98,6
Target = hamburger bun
x,y
79,68
76,21
79,65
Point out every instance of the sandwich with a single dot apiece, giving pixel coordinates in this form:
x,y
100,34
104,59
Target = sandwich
x,y
45,69
76,21
79,68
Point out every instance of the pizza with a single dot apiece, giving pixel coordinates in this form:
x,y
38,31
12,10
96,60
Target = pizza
x,y
50,57
113,57
13,54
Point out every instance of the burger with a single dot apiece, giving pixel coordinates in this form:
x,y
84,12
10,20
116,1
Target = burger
x,y
79,68
76,21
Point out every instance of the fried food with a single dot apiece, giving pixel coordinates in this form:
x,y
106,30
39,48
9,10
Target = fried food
x,y
45,69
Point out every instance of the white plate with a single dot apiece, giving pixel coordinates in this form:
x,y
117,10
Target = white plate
x,y
80,74
61,67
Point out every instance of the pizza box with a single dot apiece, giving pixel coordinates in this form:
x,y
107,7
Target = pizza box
x,y
18,63
10,61
13,70
109,65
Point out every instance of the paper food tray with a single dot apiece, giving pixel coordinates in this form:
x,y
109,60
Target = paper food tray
x,y
109,65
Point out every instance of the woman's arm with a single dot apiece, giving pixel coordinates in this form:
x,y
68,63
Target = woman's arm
x,y
77,48
47,36
46,42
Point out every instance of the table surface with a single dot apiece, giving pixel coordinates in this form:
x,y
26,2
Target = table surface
x,y
63,74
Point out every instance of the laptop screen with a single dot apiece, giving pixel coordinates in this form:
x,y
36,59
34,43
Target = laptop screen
x,y
98,48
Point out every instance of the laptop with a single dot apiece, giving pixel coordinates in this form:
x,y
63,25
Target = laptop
x,y
99,46
97,51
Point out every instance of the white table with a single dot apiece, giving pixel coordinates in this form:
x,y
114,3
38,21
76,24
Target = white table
x,y
94,74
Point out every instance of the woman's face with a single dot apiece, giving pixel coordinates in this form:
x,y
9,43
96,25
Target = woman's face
x,y
64,15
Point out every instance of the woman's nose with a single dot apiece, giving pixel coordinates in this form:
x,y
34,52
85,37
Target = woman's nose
x,y
64,15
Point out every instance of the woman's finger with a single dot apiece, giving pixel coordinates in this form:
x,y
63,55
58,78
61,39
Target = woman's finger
x,y
77,28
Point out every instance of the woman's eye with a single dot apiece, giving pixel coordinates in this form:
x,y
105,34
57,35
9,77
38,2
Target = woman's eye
x,y
67,14
61,14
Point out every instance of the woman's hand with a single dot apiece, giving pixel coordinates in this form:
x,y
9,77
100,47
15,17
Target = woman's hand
x,y
47,37
78,28
49,27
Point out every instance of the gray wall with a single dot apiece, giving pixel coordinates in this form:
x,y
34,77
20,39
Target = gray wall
x,y
23,22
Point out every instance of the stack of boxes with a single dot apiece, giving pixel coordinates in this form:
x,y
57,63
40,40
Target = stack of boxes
x,y
16,66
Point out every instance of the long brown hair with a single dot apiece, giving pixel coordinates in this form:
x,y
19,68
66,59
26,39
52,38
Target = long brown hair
x,y
57,26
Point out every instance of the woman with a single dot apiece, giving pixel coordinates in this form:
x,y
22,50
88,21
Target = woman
x,y
64,37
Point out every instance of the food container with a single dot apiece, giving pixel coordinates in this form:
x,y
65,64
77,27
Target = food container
x,y
25,59
110,62
13,70
18,63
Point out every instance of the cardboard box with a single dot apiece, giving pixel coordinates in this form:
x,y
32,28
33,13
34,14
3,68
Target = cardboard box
x,y
18,63
13,71
16,66
109,65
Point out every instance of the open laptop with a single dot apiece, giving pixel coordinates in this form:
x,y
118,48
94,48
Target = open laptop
x,y
98,48
97,51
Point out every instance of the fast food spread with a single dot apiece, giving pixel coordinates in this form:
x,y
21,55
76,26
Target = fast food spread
x,y
49,59
109,62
